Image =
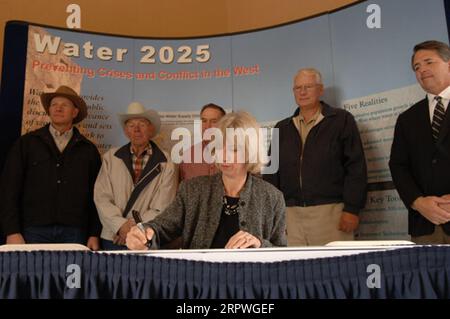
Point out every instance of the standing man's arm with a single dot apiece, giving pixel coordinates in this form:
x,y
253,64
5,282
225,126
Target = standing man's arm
x,y
409,192
110,214
399,165
355,180
11,191
94,226
274,178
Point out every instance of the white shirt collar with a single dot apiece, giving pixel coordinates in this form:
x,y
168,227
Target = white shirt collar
x,y
57,133
444,94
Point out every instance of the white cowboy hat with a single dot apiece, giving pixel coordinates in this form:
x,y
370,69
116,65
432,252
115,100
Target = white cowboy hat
x,y
137,110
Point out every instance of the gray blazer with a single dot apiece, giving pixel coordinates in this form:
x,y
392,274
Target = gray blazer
x,y
195,212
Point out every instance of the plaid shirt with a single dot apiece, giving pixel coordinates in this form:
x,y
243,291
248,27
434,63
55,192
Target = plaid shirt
x,y
139,161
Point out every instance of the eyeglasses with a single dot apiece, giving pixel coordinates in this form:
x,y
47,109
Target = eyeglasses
x,y
306,87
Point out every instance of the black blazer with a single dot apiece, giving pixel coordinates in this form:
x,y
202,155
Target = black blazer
x,y
41,186
420,167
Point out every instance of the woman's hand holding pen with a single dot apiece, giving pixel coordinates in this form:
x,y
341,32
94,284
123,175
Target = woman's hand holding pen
x,y
137,239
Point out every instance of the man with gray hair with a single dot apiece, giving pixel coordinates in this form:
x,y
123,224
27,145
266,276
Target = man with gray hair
x,y
322,169
420,154
137,177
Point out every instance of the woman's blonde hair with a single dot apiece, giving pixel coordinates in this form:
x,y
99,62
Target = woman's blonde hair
x,y
246,130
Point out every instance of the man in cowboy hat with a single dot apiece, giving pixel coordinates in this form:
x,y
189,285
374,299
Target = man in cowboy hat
x,y
48,179
138,176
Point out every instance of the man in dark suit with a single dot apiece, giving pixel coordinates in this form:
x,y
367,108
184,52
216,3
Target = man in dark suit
x,y
420,154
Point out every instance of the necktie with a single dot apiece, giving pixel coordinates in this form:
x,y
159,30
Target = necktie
x,y
438,118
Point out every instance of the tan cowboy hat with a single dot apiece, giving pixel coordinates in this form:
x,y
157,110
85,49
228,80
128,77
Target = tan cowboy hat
x,y
66,92
137,110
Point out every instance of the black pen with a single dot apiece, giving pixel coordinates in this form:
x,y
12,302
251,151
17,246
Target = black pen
x,y
138,220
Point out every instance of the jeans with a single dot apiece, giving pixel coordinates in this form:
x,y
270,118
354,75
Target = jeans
x,y
54,234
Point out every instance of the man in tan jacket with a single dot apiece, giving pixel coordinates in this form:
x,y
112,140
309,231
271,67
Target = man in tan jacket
x,y
137,176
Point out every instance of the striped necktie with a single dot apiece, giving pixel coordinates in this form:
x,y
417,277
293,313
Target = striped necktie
x,y
438,118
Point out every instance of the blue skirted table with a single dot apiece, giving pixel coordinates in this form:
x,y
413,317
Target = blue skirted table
x,y
414,272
